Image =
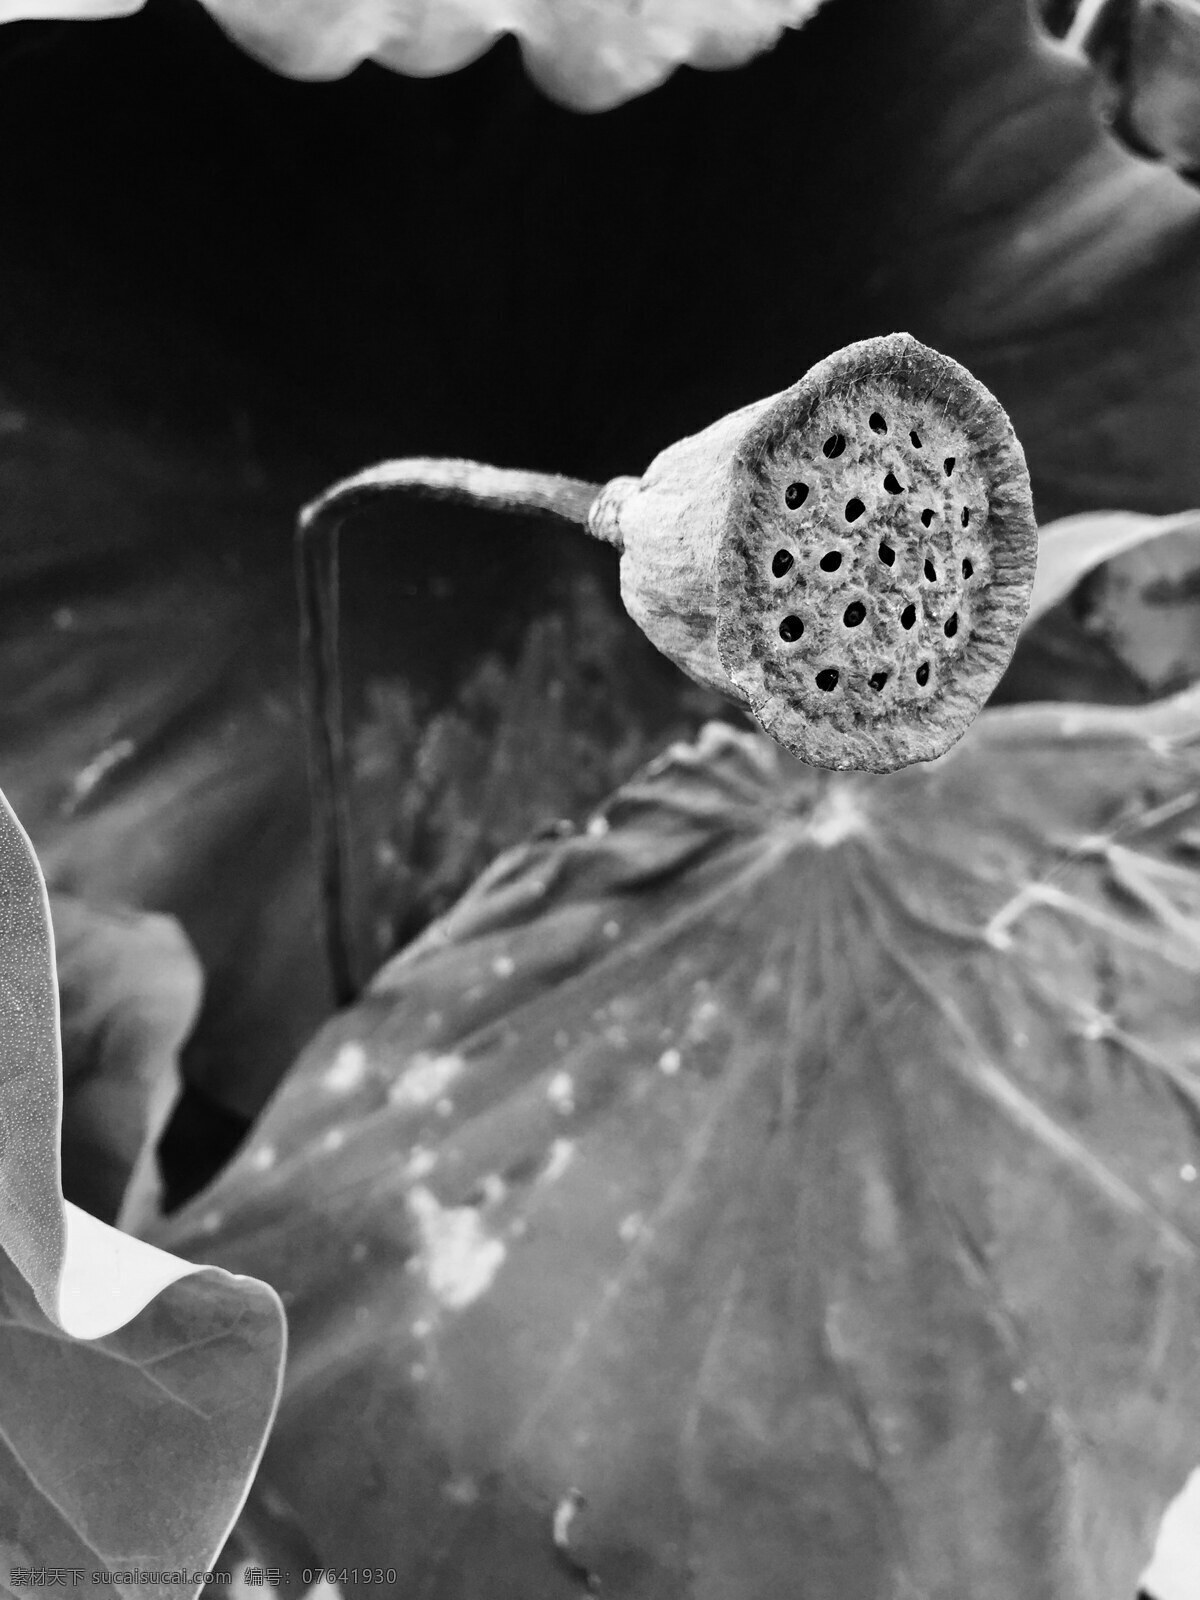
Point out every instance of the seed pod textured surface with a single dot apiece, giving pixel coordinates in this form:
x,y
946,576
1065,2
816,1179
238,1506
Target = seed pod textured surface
x,y
851,559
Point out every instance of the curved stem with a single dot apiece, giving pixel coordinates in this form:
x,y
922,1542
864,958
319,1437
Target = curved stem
x,y
465,482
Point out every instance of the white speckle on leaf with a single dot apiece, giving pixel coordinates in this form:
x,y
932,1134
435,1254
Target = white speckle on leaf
x,y
1097,1027
565,1513
1158,746
334,1139
1020,1385
837,816
97,769
420,1163
560,1092
64,619
504,966
597,827
460,1260
422,1328
1187,1172
211,1221
562,1153
630,1226
263,1158
463,1490
494,1189
348,1069
881,1218
670,1062
426,1079
701,1024
1021,1039
612,929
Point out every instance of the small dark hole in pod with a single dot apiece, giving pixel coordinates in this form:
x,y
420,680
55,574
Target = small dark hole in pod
x,y
877,422
892,484
916,439
951,625
834,445
782,562
930,570
854,510
968,569
948,464
832,561
966,515
908,616
877,680
854,613
887,555
795,495
828,679
790,629
923,674
927,517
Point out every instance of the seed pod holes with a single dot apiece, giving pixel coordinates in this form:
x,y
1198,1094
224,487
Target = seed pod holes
x,y
893,442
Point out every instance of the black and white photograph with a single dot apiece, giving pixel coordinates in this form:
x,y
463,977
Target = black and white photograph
x,y
600,799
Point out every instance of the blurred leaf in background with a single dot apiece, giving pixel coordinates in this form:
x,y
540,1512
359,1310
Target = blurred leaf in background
x,y
129,991
1115,616
1147,53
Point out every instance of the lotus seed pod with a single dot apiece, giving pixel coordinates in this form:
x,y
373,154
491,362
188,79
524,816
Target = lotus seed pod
x,y
851,559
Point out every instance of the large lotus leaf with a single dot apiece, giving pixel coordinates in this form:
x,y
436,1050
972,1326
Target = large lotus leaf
x,y
1115,613
590,54
577,293
129,987
138,1389
800,1168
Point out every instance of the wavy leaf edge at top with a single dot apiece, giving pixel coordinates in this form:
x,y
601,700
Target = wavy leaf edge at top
x,y
591,57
